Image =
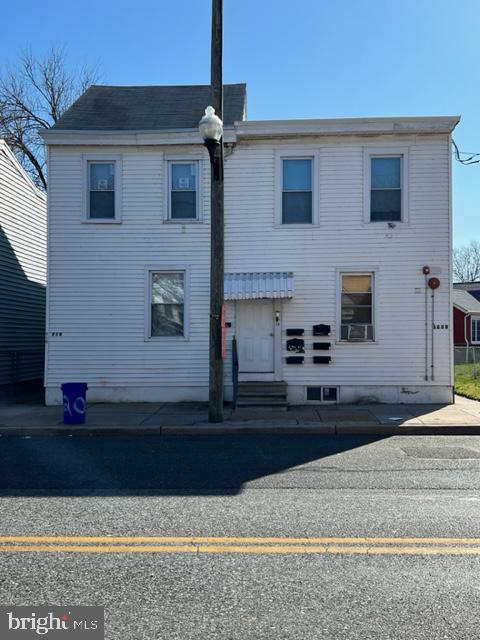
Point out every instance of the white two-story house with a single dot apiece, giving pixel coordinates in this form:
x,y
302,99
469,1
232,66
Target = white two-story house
x,y
330,226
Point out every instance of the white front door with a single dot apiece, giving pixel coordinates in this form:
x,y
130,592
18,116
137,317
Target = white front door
x,y
255,339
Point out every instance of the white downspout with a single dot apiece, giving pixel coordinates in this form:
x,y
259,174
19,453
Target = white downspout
x,y
467,315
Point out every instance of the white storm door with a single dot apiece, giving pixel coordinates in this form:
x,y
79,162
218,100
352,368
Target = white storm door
x,y
255,336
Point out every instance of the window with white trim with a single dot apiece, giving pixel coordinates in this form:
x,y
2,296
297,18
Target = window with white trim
x,y
386,184
297,190
475,337
167,317
386,189
102,188
183,191
356,307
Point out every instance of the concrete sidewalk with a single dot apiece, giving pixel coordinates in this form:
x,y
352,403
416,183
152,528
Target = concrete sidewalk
x,y
191,418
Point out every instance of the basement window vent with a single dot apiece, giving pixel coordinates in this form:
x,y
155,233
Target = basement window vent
x,y
322,394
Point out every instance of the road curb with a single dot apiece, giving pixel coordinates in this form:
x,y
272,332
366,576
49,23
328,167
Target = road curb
x,y
248,428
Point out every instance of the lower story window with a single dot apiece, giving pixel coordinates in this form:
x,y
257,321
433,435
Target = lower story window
x,y
167,303
476,330
356,307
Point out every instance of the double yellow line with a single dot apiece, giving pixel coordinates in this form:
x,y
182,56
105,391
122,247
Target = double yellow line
x,y
235,544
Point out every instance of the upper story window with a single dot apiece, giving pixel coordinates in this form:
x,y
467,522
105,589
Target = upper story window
x,y
386,189
183,196
357,323
386,186
297,190
102,189
167,303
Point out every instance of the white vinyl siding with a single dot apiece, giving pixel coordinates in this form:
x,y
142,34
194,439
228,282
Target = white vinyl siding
x,y
98,298
23,266
98,273
342,240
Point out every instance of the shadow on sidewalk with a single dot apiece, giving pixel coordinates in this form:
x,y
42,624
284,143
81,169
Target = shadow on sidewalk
x,y
155,465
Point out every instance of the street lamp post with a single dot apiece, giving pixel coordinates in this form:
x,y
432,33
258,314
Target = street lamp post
x,y
211,130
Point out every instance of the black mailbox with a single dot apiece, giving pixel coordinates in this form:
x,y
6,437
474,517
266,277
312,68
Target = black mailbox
x,y
294,359
295,332
321,329
297,345
321,346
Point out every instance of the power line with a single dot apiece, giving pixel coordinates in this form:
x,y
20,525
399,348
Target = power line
x,y
469,160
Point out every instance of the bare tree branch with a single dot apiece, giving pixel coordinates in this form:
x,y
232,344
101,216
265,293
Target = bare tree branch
x,y
34,96
466,263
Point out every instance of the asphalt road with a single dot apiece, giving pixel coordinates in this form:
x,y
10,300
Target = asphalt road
x,y
259,486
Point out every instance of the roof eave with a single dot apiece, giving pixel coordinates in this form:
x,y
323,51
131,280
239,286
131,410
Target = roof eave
x,y
468,312
347,126
127,137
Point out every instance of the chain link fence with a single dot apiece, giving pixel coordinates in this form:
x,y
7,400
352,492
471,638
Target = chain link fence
x,y
467,371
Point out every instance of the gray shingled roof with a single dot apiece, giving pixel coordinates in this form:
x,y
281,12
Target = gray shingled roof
x,y
149,108
465,301
473,288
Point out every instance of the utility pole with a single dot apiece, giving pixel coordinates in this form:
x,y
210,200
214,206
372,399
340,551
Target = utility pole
x,y
215,406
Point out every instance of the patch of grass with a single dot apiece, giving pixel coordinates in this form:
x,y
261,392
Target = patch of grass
x,y
465,382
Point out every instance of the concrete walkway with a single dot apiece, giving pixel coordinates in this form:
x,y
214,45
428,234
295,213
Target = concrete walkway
x,y
191,417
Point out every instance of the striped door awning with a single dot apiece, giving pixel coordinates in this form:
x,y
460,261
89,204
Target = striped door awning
x,y
252,286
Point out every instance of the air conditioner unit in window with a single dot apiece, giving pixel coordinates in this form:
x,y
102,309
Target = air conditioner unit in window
x,y
358,332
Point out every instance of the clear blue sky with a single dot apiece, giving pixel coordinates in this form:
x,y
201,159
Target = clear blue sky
x,y
303,59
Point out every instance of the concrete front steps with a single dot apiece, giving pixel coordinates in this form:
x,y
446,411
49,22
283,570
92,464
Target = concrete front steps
x,y
262,395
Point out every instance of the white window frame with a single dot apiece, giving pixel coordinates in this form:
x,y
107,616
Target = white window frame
x,y
374,273
401,152
176,159
473,319
296,154
322,400
102,158
174,268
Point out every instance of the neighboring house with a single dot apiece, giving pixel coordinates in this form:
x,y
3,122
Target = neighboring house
x,y
328,225
23,264
466,318
473,288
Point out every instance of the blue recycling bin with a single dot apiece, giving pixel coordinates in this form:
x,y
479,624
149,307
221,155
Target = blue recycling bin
x,y
74,402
